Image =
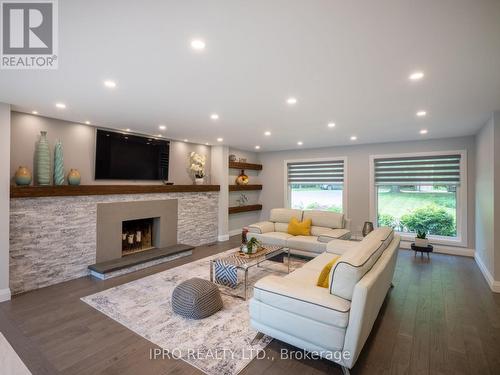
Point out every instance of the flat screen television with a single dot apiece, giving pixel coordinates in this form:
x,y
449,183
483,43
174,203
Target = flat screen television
x,y
130,157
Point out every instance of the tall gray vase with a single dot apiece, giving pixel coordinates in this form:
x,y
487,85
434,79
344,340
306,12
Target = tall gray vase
x,y
42,160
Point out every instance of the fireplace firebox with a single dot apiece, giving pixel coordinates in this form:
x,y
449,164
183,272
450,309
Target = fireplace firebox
x,y
138,236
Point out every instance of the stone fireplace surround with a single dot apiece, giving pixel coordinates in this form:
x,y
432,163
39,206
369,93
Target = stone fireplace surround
x,y
53,239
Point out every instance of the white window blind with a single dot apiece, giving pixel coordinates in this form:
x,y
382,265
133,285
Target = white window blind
x,y
422,170
320,172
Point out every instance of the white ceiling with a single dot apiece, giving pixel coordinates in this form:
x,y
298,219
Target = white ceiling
x,y
345,61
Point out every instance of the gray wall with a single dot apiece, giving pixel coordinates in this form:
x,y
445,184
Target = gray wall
x,y
358,172
237,221
485,212
79,146
4,200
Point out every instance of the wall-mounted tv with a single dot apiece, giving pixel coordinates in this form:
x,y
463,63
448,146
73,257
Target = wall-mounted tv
x,y
121,156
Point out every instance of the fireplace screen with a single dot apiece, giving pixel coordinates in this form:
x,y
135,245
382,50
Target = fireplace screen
x,y
137,236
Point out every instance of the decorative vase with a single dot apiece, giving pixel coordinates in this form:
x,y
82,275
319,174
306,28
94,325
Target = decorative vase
x,y
242,179
74,177
198,181
58,164
232,158
367,228
42,160
23,176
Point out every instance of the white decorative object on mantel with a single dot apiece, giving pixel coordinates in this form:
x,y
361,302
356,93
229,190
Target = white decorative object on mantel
x,y
197,167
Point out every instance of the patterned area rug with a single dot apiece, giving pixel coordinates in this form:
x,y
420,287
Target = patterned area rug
x,y
219,344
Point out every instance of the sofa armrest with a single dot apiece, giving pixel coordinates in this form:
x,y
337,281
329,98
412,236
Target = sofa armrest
x,y
334,234
261,227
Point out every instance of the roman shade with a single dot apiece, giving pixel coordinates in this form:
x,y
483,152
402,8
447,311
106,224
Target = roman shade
x,y
316,172
418,170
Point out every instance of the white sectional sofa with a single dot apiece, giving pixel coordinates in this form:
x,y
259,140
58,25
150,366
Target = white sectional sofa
x,y
326,226
332,322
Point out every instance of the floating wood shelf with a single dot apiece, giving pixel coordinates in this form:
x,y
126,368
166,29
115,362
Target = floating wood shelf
x,y
244,187
58,191
251,207
238,165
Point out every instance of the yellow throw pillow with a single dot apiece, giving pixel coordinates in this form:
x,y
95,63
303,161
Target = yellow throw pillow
x,y
299,228
324,276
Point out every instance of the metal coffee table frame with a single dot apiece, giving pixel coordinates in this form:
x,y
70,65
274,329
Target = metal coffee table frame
x,y
249,263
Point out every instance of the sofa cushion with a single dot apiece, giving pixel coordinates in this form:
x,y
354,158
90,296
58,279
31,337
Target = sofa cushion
x,y
271,238
356,262
325,218
341,246
316,264
261,227
281,227
284,215
299,228
303,299
307,243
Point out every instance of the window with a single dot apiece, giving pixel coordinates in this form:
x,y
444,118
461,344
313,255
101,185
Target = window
x,y
420,193
316,185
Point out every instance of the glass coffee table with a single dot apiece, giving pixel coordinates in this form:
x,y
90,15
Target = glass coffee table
x,y
224,270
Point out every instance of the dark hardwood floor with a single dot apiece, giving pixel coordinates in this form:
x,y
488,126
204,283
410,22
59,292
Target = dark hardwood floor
x,y
440,318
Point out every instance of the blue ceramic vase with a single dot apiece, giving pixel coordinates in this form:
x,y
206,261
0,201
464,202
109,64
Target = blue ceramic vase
x,y
58,164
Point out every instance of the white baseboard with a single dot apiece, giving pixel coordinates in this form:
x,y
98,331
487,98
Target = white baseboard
x,y
223,237
442,249
5,295
494,285
234,232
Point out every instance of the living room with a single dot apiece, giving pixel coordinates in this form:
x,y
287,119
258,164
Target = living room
x,y
247,188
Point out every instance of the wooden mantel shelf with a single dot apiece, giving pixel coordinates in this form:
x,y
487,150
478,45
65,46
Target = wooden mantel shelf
x,y
65,190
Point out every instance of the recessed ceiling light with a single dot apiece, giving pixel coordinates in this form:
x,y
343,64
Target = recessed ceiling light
x,y
87,122
214,116
127,130
353,138
424,131
162,127
207,144
268,133
257,147
198,44
421,113
159,135
61,105
331,125
35,112
300,143
110,84
185,140
219,139
291,101
415,76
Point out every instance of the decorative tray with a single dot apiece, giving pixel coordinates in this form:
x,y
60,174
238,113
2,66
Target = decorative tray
x,y
259,252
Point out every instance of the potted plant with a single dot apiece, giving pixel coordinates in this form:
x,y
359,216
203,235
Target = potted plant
x,y
421,239
197,167
253,245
